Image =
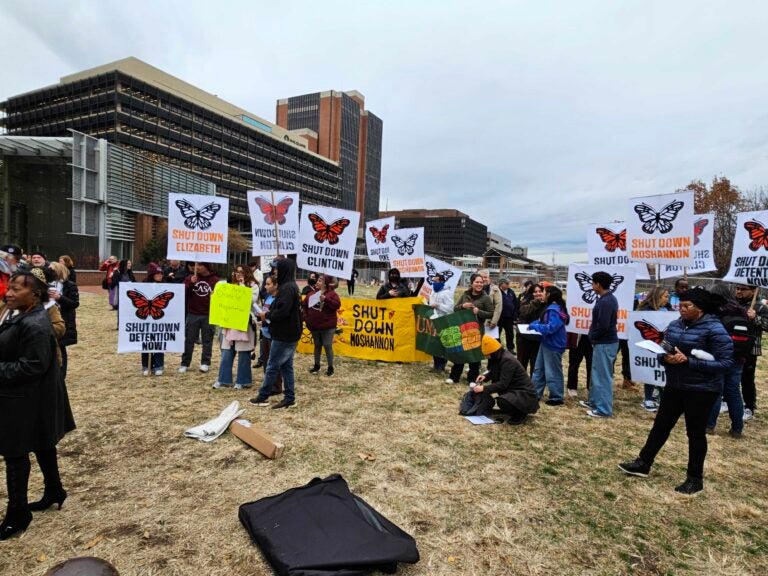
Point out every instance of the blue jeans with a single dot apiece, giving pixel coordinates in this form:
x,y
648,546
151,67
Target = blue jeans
x,y
732,397
280,362
243,367
548,370
158,360
601,391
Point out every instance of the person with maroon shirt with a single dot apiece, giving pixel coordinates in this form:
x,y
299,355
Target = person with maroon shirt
x,y
199,287
322,318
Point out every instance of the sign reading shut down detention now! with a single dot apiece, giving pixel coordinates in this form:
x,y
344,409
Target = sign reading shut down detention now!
x,y
749,260
151,317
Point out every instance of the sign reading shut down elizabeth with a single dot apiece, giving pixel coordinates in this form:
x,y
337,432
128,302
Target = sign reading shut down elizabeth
x,y
749,261
197,227
660,229
581,297
406,252
151,317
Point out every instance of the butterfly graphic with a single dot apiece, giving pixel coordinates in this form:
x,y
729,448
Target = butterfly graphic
x,y
380,236
758,235
327,232
432,272
150,307
585,284
698,228
406,246
197,218
613,240
649,331
274,212
661,221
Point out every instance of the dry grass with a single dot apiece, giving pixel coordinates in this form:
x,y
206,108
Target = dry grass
x,y
545,498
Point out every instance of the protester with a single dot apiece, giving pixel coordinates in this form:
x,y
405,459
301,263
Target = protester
x,y
256,272
321,318
122,273
481,305
13,256
284,318
657,299
109,266
37,415
175,272
507,378
758,317
198,289
70,264
310,285
579,349
509,310
532,305
549,361
441,302
605,343
693,385
681,286
351,282
495,293
153,361
265,341
394,287
66,295
38,259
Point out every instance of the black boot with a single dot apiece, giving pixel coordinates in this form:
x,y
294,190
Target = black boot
x,y
315,369
329,372
54,492
18,516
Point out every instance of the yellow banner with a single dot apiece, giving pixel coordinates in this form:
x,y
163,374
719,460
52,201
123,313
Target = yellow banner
x,y
374,330
230,306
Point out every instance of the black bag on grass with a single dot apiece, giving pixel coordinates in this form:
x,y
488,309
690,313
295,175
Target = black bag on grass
x,y
472,404
322,529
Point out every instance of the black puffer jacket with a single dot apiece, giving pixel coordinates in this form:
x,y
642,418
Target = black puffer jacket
x,y
284,314
511,382
68,303
707,334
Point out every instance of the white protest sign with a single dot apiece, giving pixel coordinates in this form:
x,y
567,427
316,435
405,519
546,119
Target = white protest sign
x,y
406,252
376,235
197,227
660,229
647,325
607,246
749,261
274,211
435,266
327,238
151,317
703,249
581,297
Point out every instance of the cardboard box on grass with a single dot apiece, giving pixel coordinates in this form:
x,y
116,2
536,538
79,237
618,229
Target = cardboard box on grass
x,y
256,438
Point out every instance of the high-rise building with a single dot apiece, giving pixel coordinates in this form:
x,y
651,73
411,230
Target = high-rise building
x,y
337,125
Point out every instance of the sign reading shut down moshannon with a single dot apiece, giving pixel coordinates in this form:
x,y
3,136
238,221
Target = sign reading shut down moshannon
x,y
660,229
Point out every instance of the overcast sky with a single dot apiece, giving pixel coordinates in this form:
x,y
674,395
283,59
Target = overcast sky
x,y
535,118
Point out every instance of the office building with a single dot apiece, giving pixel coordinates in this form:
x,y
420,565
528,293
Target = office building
x,y
447,233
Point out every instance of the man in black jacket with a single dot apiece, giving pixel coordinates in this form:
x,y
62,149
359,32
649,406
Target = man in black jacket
x,y
284,319
758,318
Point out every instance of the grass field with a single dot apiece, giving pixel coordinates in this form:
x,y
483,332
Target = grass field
x,y
544,498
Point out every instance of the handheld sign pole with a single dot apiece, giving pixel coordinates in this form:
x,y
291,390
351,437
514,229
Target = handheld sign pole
x,y
685,273
754,298
658,274
274,216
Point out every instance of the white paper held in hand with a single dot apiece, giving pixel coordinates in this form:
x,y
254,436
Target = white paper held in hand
x,y
651,346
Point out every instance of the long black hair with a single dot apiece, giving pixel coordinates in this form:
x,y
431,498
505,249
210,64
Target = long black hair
x,y
555,296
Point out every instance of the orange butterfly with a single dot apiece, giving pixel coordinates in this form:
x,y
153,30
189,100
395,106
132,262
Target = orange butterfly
x,y
613,240
146,307
698,228
379,235
758,234
328,232
274,212
649,331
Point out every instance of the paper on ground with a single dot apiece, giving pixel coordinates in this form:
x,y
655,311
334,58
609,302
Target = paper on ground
x,y
651,346
480,420
214,428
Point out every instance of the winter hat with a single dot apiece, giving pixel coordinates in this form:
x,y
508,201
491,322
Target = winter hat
x,y
489,345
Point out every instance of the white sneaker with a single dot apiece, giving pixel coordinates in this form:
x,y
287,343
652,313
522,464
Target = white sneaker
x,y
158,372
182,369
204,368
572,393
146,372
649,405
723,408
449,381
748,414
217,385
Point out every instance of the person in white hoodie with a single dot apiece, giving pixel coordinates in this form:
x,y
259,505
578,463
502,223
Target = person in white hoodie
x,y
441,301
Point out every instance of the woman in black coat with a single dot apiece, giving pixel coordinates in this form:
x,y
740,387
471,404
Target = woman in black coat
x,y
34,409
65,293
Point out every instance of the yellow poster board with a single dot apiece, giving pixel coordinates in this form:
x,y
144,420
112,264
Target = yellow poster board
x,y
374,330
230,306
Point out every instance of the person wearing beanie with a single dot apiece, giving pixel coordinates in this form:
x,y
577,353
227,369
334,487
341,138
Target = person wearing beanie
x,y
507,378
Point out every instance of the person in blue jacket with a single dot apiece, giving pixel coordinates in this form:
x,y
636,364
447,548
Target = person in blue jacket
x,y
549,362
700,352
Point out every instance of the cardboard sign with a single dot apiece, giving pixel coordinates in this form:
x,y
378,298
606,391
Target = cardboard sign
x,y
703,252
327,238
198,227
231,306
151,317
607,246
647,325
406,252
274,212
377,234
749,261
435,266
374,330
581,297
660,229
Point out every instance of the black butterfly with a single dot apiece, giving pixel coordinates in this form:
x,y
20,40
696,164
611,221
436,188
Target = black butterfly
x,y
406,246
195,218
661,221
432,272
585,284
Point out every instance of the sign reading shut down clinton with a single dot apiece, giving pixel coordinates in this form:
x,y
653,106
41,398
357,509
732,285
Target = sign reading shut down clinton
x,y
151,317
327,238
660,229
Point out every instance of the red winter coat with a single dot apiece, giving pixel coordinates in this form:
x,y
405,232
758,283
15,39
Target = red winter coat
x,y
323,315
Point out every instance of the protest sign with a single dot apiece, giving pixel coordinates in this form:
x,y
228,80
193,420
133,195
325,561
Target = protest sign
x,y
374,330
660,229
427,339
749,260
377,234
460,335
406,251
274,212
151,317
607,246
198,227
647,325
230,306
327,238
581,297
703,250
435,266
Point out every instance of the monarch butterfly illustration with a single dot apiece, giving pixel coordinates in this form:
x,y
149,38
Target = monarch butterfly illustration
x,y
661,221
406,246
757,234
195,218
327,232
380,236
585,284
274,212
613,240
432,272
698,228
150,307
649,332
